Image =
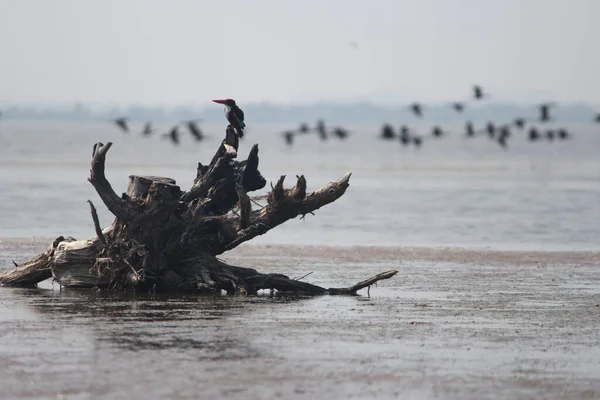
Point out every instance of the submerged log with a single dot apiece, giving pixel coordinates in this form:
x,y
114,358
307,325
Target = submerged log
x,y
167,240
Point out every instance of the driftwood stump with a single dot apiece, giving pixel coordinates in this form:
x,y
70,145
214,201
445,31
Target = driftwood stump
x,y
166,239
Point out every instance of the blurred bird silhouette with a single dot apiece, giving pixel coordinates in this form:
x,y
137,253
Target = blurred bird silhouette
x,y
289,137
490,128
597,119
545,111
550,134
122,123
417,109
405,135
478,92
417,141
458,107
195,131
519,123
321,129
304,128
469,129
341,133
563,134
234,115
147,129
173,135
387,132
437,132
534,134
504,134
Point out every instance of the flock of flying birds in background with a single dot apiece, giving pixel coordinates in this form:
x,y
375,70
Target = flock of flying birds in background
x,y
500,133
173,135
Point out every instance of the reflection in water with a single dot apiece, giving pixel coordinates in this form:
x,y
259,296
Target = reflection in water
x,y
146,322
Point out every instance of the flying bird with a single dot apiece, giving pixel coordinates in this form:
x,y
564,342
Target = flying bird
x,y
405,135
417,109
417,141
550,134
504,134
437,132
289,137
387,132
147,129
341,133
173,135
469,129
122,123
321,130
478,92
534,134
304,128
545,111
234,115
563,134
490,128
519,123
458,107
194,130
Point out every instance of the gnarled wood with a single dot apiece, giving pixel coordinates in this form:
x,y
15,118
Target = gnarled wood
x,y
35,270
163,239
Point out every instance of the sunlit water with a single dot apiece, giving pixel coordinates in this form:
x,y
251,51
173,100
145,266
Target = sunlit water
x,y
451,192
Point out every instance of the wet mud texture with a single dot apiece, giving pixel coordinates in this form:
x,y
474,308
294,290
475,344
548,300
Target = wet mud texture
x,y
453,324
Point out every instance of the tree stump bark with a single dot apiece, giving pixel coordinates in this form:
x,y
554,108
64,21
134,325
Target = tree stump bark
x,y
166,239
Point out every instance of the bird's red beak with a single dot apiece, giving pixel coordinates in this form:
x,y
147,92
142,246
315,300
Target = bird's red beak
x,y
219,101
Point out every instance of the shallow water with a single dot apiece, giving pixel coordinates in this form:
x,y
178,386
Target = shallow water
x,y
471,315
453,324
452,192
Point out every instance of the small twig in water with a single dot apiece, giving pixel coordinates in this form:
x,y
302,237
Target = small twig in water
x,y
302,277
304,215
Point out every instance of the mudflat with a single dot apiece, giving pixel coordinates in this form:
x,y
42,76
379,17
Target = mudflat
x,y
455,323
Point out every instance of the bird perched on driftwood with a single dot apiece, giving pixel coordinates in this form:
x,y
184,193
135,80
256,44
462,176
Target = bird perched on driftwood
x,y
234,115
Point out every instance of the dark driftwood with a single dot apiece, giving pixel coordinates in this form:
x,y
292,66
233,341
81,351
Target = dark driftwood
x,y
166,239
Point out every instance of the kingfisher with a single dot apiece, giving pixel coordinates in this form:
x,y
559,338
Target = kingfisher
x,y
234,115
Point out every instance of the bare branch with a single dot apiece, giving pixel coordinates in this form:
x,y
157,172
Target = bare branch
x,y
99,233
115,204
282,206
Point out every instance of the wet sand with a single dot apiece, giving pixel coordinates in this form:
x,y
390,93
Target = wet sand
x,y
454,323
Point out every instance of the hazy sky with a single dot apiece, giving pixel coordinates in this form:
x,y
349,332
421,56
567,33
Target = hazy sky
x,y
190,51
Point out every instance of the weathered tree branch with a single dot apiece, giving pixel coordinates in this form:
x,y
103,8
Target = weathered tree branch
x,y
282,206
116,205
35,270
97,228
164,240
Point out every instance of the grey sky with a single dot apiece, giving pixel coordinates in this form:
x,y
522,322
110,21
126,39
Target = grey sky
x,y
190,51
